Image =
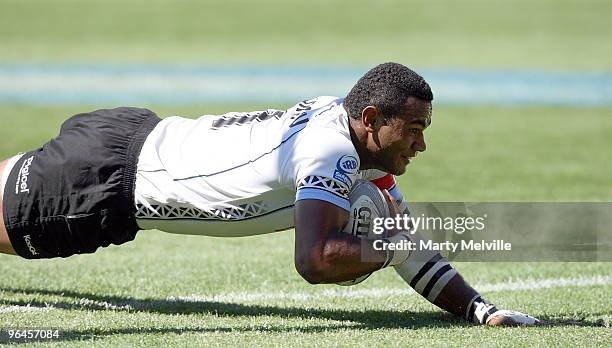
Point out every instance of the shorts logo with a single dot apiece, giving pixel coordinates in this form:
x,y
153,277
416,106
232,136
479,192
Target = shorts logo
x,y
21,186
28,242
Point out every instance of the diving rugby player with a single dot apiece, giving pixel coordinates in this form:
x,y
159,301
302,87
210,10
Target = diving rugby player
x,y
110,173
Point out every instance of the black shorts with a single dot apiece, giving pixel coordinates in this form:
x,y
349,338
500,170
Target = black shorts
x,y
76,193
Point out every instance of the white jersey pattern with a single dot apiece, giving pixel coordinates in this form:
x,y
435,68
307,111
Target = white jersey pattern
x,y
240,174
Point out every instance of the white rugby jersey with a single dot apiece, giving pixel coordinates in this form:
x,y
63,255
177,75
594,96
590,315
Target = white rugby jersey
x,y
240,174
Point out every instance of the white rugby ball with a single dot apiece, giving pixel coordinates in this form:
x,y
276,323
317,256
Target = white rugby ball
x,y
367,203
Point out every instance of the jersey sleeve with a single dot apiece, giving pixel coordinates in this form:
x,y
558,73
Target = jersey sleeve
x,y
325,167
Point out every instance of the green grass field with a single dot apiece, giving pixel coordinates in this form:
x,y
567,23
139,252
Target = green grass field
x,y
167,289
172,290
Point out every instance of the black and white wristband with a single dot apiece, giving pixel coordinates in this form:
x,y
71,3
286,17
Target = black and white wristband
x,y
479,310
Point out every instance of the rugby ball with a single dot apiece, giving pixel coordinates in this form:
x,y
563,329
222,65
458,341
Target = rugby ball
x,y
367,202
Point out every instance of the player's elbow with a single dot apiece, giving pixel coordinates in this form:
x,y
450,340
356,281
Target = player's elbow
x,y
309,269
318,266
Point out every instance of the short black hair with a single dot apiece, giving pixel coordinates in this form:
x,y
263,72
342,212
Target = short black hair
x,y
386,86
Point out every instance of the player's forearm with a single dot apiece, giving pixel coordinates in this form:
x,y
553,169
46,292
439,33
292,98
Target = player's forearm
x,y
462,300
439,283
455,296
433,277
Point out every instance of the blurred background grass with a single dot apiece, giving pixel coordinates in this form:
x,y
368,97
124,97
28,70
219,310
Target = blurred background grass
x,y
544,34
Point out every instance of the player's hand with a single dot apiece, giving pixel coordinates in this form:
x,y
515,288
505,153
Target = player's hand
x,y
487,313
393,207
394,210
502,317
511,318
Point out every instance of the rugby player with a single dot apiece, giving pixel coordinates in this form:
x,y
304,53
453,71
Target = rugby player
x,y
110,173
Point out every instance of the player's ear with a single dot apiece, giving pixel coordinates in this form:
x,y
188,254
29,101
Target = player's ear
x,y
371,118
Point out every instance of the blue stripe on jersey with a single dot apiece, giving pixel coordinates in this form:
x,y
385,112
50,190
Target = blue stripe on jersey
x,y
323,195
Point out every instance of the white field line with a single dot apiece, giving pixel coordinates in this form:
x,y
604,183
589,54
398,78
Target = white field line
x,y
519,285
85,302
27,308
342,293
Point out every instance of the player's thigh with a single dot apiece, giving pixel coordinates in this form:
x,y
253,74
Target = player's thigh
x,y
5,243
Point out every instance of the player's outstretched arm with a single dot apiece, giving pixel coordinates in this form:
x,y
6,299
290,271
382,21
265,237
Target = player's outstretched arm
x,y
431,275
323,254
454,295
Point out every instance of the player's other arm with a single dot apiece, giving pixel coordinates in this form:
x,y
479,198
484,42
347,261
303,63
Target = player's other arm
x,y
323,254
428,272
432,276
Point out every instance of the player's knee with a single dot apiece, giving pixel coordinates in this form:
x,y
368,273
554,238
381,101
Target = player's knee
x,y
5,243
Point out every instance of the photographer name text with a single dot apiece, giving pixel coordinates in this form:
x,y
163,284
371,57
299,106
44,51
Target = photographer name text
x,y
464,245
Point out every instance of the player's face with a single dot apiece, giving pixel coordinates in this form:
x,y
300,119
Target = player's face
x,y
401,138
